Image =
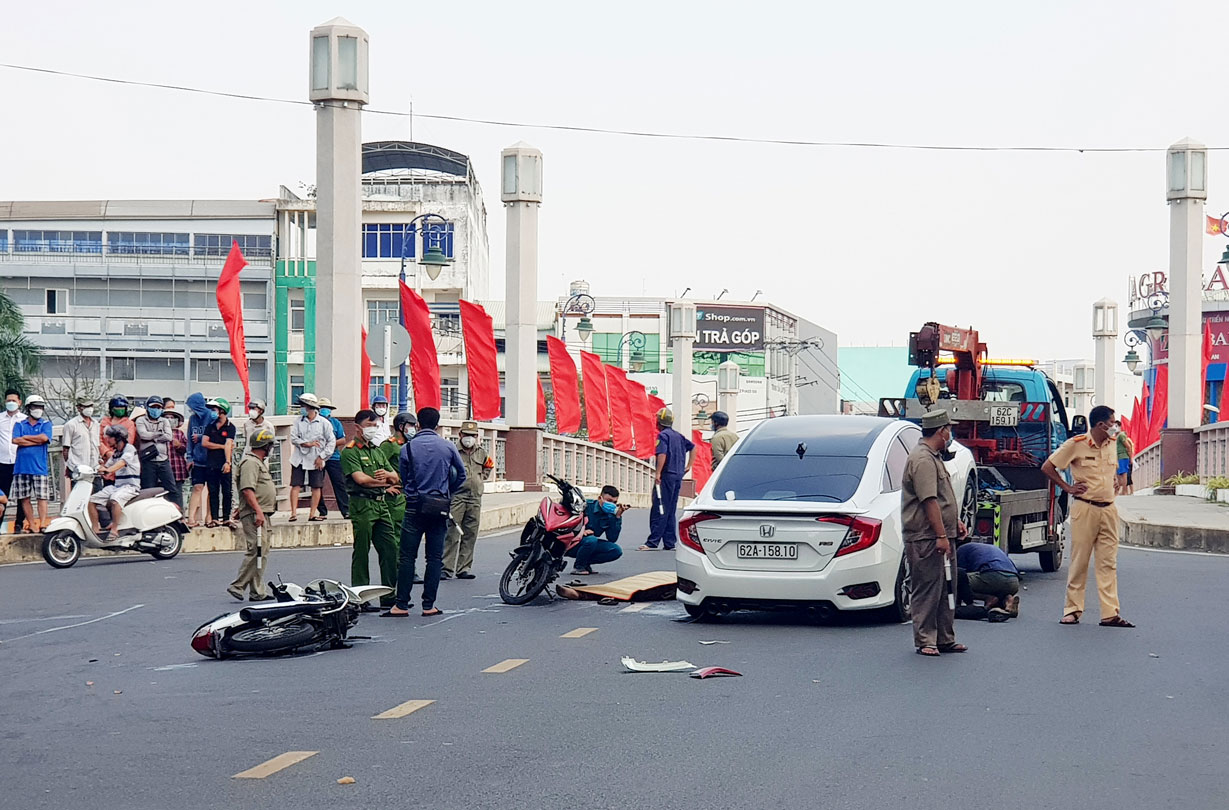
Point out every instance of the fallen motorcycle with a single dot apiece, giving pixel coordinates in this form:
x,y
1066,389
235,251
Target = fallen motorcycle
x,y
301,619
549,535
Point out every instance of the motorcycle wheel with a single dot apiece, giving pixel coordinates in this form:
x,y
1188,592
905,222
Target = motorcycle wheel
x,y
168,543
61,549
272,637
523,580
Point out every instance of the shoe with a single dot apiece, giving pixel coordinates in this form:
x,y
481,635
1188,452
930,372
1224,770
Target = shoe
x,y
235,592
1013,605
997,615
266,598
445,575
466,575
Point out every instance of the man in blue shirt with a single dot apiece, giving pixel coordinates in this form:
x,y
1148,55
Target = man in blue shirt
x,y
431,471
993,577
603,523
673,461
32,471
332,465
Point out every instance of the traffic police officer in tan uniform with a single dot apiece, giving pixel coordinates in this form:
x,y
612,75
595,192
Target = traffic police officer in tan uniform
x,y
257,503
1093,462
930,519
467,505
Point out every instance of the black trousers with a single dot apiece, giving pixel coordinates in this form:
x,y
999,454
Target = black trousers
x,y
332,468
6,484
413,529
221,493
158,474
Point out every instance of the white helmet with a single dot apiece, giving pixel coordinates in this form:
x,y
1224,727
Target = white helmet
x,y
35,399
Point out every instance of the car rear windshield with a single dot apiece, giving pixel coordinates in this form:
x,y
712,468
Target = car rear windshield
x,y
822,479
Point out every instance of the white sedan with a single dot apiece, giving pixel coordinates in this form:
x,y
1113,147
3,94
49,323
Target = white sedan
x,y
805,512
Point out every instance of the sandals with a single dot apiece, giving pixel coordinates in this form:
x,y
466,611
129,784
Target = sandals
x,y
955,648
1116,621
292,518
433,612
929,652
582,572
1074,617
647,548
316,519
389,614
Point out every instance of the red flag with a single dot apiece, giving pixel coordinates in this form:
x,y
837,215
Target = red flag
x,y
424,365
230,304
620,409
1137,420
1142,426
1160,405
597,411
566,386
541,402
701,460
1223,415
479,334
1212,227
364,394
642,419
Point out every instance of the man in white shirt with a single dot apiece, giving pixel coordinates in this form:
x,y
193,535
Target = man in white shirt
x,y
380,405
10,416
80,438
312,440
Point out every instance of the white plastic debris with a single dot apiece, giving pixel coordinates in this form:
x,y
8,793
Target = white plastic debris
x,y
665,666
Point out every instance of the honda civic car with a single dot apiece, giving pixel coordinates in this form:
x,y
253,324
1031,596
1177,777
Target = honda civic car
x,y
805,513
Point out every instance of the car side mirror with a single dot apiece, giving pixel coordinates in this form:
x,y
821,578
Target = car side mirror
x,y
1079,425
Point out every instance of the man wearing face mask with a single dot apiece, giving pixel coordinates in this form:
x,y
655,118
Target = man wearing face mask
x,y
9,417
1093,461
81,438
332,465
467,505
930,520
256,421
32,472
370,474
379,404
312,438
405,425
603,524
118,415
156,432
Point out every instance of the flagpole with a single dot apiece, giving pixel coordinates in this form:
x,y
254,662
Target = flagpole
x,y
403,387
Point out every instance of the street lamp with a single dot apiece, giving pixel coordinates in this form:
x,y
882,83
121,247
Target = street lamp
x,y
701,399
580,303
433,261
635,342
1132,360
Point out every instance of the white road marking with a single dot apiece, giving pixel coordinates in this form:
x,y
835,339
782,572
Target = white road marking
x,y
71,626
635,608
579,632
272,766
1176,551
504,666
45,619
456,614
169,667
409,707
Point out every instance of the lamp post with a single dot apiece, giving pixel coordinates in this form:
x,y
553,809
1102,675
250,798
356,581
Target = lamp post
x,y
683,338
580,303
433,261
727,390
1104,333
1150,334
701,400
1186,190
338,87
635,342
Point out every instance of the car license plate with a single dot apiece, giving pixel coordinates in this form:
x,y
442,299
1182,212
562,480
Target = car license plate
x,y
768,551
1004,415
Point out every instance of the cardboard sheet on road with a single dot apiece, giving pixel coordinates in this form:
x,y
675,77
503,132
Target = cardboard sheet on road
x,y
653,586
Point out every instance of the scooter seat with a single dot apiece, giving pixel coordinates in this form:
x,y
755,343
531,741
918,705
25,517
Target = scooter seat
x,y
146,494
276,610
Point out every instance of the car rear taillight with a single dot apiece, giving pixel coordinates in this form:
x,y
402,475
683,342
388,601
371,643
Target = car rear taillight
x,y
688,535
861,533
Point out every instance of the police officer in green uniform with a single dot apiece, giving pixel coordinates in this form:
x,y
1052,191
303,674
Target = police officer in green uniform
x,y
257,503
404,427
368,477
467,505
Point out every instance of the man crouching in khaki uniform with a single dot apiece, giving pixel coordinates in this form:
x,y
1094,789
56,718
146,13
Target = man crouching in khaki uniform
x,y
930,518
257,502
1093,461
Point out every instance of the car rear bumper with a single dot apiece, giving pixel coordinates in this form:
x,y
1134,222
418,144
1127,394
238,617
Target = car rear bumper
x,y
767,588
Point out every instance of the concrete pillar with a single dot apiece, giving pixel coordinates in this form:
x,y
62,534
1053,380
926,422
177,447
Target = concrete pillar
x,y
338,86
1186,191
521,192
727,391
683,338
1104,336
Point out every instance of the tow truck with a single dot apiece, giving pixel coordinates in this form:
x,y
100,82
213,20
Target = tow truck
x,y
1011,416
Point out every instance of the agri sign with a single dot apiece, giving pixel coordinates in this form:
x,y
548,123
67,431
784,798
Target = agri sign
x,y
730,329
1144,286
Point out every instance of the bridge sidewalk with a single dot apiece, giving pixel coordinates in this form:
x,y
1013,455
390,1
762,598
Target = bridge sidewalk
x,y
1174,522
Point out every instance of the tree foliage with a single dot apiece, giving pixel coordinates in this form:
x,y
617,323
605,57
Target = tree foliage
x,y
20,357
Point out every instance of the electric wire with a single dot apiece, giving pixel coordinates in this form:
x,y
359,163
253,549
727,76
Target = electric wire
x,y
635,133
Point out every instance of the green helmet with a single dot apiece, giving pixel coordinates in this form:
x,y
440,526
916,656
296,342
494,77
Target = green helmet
x,y
221,405
263,438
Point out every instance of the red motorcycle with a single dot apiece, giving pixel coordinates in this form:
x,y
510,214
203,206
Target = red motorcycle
x,y
557,529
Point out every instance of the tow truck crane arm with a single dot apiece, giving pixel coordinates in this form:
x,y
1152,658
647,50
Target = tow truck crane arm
x,y
925,346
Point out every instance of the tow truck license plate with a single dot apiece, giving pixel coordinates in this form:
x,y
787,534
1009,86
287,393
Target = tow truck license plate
x,y
1004,415
768,551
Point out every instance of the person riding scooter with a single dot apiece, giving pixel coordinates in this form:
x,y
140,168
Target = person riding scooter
x,y
126,467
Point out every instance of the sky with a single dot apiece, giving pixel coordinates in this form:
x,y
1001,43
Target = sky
x,y
870,243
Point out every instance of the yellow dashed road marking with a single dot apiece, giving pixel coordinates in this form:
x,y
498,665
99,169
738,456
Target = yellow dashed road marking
x,y
504,666
279,762
578,632
409,707
635,608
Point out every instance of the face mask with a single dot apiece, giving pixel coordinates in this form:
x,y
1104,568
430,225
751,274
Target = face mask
x,y
10,406
609,507
119,412
380,410
408,431
87,412
468,442
37,413
254,413
947,454
325,412
214,412
303,412
371,434
155,413
1114,431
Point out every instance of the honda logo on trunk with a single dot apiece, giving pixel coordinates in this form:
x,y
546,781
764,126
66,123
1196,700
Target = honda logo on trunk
x,y
767,530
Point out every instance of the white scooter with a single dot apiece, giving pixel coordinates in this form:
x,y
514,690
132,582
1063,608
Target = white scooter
x,y
150,524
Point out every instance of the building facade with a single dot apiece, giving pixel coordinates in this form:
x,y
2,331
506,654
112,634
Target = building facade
x,y
120,295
